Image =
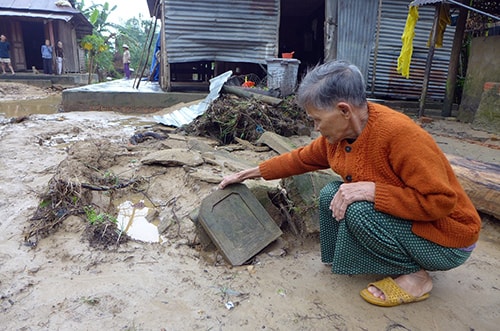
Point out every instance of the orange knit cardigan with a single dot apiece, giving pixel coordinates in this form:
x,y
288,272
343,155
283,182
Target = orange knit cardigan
x,y
413,178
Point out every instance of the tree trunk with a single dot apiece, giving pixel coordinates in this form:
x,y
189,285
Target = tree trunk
x,y
481,182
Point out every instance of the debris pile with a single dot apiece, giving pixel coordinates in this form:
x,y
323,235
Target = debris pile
x,y
229,118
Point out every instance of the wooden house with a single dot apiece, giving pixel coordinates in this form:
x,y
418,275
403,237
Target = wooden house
x,y
28,23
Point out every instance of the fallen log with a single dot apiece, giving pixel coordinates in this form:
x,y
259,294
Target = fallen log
x,y
481,182
247,93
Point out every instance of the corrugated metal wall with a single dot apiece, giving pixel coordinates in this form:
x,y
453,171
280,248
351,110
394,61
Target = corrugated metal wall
x,y
389,83
221,30
357,20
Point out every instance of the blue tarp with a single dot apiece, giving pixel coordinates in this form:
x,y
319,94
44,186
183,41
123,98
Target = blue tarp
x,y
155,64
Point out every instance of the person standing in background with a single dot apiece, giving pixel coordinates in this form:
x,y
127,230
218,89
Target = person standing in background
x,y
126,61
5,54
47,57
59,57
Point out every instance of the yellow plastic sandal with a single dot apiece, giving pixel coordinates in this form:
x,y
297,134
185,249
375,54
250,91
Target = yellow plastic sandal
x,y
394,295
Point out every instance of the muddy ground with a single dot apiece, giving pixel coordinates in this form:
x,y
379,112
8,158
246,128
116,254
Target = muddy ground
x,y
61,279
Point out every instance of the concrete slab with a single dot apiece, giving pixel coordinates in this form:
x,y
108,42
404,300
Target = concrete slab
x,y
121,96
43,80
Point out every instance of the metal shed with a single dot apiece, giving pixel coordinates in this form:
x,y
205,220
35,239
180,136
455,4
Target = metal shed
x,y
367,33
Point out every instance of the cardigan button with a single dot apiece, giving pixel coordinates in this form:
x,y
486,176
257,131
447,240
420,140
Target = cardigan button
x,y
348,149
348,178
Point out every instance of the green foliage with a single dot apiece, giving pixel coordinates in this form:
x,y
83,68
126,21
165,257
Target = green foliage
x,y
99,54
97,14
45,203
95,218
94,16
135,33
103,54
92,301
111,178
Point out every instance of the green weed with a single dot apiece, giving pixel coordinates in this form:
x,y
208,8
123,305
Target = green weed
x,y
95,218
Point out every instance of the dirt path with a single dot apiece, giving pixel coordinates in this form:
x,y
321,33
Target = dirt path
x,y
64,284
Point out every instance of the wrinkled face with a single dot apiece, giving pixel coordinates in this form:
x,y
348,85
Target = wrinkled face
x,y
331,123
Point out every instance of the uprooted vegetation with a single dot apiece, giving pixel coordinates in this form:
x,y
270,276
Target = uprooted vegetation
x,y
71,192
231,117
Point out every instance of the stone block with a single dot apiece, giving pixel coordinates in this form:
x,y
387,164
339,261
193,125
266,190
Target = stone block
x,y
487,117
304,191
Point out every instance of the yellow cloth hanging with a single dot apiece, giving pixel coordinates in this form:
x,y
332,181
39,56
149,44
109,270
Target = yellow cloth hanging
x,y
444,20
404,58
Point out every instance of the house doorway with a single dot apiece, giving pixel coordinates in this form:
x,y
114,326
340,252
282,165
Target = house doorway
x,y
33,37
302,30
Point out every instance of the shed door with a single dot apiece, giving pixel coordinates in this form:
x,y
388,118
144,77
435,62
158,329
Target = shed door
x,y
17,51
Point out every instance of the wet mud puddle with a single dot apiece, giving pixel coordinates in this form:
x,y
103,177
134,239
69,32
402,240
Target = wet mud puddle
x,y
134,219
18,108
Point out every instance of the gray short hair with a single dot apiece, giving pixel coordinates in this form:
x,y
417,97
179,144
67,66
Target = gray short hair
x,y
332,82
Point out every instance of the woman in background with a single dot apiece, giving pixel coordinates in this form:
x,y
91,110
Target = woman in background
x,y
59,57
47,57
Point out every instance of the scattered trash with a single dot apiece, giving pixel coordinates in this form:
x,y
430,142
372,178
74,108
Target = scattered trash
x,y
229,305
141,137
228,291
248,83
278,252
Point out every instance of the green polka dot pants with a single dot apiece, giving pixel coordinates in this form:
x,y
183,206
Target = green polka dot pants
x,y
370,242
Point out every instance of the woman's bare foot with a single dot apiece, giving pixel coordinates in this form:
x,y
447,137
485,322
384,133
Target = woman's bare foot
x,y
416,284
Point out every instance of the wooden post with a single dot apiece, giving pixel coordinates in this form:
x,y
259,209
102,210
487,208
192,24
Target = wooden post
x,y
451,81
165,79
428,64
330,37
375,51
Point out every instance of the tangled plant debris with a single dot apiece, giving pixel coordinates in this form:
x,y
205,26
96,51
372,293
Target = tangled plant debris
x,y
230,117
70,192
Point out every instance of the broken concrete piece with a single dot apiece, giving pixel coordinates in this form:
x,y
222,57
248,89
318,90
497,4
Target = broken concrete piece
x,y
304,191
224,159
174,157
261,190
207,176
278,143
198,145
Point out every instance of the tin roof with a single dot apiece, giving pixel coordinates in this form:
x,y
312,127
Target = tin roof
x,y
45,9
37,5
64,17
